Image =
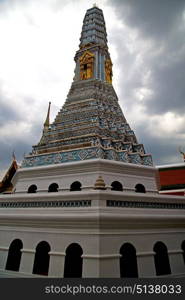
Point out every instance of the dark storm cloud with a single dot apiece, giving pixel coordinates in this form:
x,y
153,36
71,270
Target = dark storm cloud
x,y
7,149
19,145
153,18
12,110
7,112
161,25
164,150
12,115
168,84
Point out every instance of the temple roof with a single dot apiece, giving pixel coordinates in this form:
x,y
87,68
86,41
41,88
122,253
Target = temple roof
x,y
6,185
91,123
172,177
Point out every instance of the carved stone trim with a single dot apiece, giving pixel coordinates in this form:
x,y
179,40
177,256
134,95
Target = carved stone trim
x,y
114,203
36,204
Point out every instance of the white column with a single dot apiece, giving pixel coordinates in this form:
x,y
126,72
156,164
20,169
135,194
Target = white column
x,y
27,261
3,257
90,267
110,266
145,263
101,266
176,261
56,264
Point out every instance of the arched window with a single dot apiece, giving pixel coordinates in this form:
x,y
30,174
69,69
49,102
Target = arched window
x,y
32,189
14,255
41,261
53,188
116,186
139,188
73,261
75,186
161,259
128,261
183,248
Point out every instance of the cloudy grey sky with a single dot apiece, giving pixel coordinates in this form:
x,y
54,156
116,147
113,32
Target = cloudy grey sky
x,y
146,39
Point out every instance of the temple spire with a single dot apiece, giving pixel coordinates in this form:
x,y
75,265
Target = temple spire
x,y
91,124
47,123
93,60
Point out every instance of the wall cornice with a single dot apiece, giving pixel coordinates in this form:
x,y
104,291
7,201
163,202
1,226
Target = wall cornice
x,y
86,166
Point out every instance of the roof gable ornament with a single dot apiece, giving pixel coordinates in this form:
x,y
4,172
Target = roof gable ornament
x,y
181,152
6,185
86,55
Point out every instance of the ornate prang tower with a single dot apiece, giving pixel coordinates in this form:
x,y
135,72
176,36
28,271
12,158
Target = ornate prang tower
x,y
85,201
90,124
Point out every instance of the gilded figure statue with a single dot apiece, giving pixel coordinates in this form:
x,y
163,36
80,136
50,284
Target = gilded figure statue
x,y
108,70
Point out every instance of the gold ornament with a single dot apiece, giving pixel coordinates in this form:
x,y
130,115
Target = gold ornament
x,y
99,184
108,70
86,65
